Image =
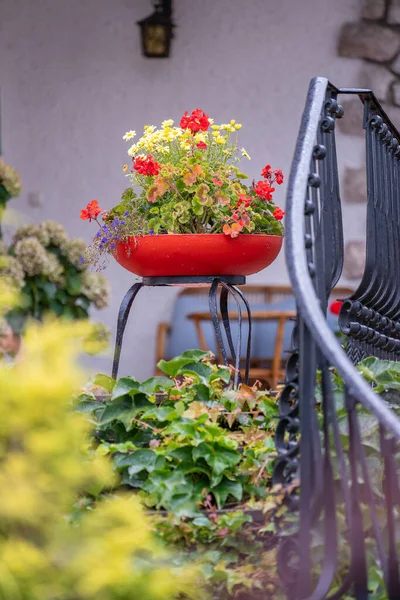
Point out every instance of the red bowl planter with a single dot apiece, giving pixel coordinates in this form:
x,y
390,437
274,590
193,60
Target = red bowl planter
x,y
197,254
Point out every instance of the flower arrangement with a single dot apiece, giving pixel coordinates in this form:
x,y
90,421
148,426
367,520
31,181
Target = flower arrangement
x,y
47,269
10,183
185,180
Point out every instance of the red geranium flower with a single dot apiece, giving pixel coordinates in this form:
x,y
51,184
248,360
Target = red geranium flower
x,y
91,211
196,121
267,171
264,190
278,176
146,165
202,145
335,307
278,213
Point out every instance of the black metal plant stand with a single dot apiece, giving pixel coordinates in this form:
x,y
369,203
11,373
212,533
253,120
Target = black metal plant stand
x,y
228,286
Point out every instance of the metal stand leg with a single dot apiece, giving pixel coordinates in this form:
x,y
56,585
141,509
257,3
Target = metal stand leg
x,y
237,295
248,349
123,315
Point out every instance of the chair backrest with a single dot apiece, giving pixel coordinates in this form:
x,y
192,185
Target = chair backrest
x,y
260,297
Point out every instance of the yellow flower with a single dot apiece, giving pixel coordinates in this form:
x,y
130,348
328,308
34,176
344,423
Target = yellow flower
x,y
245,154
215,133
225,151
238,126
167,123
168,135
149,128
133,149
215,127
232,122
125,168
201,136
161,149
185,144
129,135
220,139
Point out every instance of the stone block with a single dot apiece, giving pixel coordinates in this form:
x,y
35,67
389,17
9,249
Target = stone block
x,y
368,40
374,10
354,259
355,186
378,79
394,12
393,112
352,120
395,66
396,93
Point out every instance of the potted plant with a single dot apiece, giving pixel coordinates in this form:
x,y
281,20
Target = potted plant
x,y
185,182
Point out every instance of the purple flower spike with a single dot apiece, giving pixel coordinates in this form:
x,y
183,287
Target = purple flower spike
x,y
126,213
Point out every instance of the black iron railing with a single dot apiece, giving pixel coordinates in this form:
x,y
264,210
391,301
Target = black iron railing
x,y
342,516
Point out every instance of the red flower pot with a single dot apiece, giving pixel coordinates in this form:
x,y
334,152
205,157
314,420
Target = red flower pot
x,y
197,254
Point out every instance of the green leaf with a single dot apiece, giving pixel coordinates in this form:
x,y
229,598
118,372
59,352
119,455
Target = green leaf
x,y
103,381
124,386
202,371
218,457
50,289
172,367
128,194
115,410
142,460
88,406
73,283
160,413
140,403
202,392
226,488
156,384
223,374
269,407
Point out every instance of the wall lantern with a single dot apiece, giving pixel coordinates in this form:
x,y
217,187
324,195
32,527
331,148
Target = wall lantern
x,y
157,30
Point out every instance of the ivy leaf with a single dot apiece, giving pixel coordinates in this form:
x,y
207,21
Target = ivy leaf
x,y
202,392
269,407
142,460
124,386
202,371
183,505
103,381
218,457
139,404
156,384
88,406
172,367
115,409
223,374
226,488
160,413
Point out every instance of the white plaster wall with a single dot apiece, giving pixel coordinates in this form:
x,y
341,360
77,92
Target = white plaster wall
x,y
73,81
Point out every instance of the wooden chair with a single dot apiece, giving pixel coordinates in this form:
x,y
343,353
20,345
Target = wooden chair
x,y
271,371
193,303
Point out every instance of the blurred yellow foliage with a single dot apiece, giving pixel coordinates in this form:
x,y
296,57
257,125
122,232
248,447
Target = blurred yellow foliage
x,y
109,553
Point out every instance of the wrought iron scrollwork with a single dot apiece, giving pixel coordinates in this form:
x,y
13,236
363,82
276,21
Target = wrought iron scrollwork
x,y
340,514
228,287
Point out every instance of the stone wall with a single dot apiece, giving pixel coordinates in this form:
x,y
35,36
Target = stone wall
x,y
374,38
